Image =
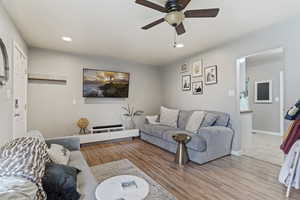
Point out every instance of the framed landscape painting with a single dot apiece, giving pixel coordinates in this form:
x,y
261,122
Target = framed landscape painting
x,y
186,83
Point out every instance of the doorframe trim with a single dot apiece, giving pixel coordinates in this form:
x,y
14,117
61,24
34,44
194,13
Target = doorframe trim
x,y
19,48
237,79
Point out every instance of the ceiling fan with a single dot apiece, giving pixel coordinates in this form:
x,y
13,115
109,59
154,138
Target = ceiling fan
x,y
175,14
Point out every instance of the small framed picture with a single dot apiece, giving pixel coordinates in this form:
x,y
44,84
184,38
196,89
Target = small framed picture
x,y
184,68
263,92
197,69
211,75
186,83
197,88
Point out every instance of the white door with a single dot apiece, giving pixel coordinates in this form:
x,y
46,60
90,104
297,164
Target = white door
x,y
19,93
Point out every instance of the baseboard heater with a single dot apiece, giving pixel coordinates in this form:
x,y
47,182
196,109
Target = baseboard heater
x,y
107,128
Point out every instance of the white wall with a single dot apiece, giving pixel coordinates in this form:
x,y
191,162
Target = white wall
x,y
8,33
51,109
266,117
216,97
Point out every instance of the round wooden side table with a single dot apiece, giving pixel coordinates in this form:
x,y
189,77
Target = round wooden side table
x,y
182,156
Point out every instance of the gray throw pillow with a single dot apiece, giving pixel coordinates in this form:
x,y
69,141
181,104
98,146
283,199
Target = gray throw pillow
x,y
209,120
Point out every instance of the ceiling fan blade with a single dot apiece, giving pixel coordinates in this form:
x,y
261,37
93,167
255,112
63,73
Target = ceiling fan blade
x,y
202,13
151,5
183,3
153,24
180,29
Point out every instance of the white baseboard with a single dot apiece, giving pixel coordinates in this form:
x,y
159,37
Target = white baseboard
x,y
236,153
266,132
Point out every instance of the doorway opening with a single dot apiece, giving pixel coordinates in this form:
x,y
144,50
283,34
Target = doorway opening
x,y
261,104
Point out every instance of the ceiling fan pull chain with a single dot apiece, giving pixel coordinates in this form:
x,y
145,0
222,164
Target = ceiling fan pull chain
x,y
175,38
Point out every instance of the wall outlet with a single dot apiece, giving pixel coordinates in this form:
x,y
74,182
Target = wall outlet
x,y
74,102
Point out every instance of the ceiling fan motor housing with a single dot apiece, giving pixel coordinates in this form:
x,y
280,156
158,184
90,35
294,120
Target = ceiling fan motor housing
x,y
172,5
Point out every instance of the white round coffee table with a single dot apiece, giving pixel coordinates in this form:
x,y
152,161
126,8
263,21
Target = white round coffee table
x,y
123,187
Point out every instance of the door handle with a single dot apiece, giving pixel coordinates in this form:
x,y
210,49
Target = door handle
x,y
17,115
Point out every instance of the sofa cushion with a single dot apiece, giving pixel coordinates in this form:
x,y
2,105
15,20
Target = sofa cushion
x,y
222,118
59,154
209,120
169,117
197,143
183,118
195,121
156,130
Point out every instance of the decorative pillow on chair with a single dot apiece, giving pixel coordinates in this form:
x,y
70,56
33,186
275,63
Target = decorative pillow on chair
x,y
195,121
60,182
168,117
59,154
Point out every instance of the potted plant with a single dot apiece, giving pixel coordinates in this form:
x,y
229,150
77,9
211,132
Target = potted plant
x,y
129,116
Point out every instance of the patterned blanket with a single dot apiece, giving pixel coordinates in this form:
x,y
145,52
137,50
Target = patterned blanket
x,y
25,158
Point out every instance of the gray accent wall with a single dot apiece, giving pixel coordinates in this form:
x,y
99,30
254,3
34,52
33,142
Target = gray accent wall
x,y
55,108
9,34
216,97
266,117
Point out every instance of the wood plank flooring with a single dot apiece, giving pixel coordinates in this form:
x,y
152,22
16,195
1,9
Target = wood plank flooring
x,y
228,178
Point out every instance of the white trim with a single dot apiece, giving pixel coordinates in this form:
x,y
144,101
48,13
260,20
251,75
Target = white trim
x,y
270,92
17,47
281,103
236,153
267,132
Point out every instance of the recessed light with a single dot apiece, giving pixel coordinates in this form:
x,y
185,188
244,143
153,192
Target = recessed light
x,y
66,39
179,45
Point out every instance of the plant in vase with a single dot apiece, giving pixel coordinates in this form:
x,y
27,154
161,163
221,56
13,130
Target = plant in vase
x,y
129,116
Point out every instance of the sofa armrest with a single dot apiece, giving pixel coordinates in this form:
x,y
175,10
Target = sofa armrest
x,y
218,138
72,143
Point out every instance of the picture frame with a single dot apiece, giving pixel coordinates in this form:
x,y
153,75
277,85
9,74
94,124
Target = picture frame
x,y
197,69
211,75
197,88
184,68
4,63
263,92
186,82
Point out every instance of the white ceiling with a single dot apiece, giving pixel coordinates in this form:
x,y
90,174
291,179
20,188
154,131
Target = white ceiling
x,y
112,27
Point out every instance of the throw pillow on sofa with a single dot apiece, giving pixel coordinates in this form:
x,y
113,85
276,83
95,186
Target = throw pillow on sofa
x,y
59,154
194,122
209,120
60,182
168,117
152,119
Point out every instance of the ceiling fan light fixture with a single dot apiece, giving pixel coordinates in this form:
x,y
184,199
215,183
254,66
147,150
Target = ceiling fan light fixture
x,y
175,18
179,45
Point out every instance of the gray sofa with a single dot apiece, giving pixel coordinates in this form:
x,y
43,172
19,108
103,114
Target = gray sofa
x,y
207,144
86,182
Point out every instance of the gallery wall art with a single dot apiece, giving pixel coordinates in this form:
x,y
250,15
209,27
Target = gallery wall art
x,y
211,75
197,88
197,69
196,76
184,68
186,83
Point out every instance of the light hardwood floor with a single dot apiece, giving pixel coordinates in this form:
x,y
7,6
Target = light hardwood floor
x,y
228,178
